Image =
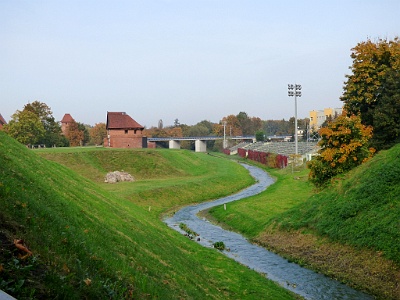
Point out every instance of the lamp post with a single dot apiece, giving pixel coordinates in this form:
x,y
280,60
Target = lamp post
x,y
224,145
295,90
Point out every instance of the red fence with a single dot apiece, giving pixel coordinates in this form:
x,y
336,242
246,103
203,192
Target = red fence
x,y
227,151
270,159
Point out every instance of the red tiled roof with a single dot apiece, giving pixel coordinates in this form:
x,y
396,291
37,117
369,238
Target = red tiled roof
x,y
120,120
2,121
67,119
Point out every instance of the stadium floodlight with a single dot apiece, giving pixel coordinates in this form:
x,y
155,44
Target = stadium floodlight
x,y
295,90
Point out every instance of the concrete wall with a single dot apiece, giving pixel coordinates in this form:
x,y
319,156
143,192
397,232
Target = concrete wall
x,y
174,144
200,146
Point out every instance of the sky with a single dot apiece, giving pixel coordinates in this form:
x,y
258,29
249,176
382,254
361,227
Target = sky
x,y
190,60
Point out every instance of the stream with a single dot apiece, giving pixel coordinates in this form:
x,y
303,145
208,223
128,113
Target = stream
x,y
304,282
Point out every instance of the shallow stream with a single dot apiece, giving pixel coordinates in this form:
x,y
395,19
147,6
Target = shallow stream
x,y
291,276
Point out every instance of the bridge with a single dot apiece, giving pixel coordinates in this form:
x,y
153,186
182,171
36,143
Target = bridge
x,y
200,141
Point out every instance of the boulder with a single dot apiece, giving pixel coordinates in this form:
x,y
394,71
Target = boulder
x,y
117,176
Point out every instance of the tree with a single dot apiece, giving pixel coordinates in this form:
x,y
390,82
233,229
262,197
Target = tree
x,y
370,88
386,115
74,134
208,125
256,124
26,127
199,130
53,135
245,123
85,129
232,127
260,136
344,145
98,133
175,132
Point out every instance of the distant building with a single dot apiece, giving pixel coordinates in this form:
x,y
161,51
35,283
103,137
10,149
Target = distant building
x,y
124,132
318,117
66,120
2,122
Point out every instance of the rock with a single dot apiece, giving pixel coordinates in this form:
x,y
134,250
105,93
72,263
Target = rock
x,y
117,176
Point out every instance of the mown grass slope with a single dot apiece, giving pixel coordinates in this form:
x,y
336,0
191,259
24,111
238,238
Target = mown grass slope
x,y
165,179
362,209
252,215
350,231
92,243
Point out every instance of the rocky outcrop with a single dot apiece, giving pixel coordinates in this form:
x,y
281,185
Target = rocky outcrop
x,y
117,176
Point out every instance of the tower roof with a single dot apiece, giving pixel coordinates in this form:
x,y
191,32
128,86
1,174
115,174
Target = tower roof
x,y
67,119
2,121
121,120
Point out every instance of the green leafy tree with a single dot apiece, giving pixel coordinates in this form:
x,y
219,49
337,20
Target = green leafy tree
x,y
26,127
245,123
280,127
386,115
260,136
199,130
208,125
53,135
370,88
344,145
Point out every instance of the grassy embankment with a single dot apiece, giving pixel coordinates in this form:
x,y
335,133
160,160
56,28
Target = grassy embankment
x,y
349,231
98,241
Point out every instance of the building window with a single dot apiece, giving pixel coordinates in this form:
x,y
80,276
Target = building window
x,y
126,131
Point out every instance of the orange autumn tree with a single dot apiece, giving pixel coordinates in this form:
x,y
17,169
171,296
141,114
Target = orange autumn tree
x,y
74,134
344,145
98,133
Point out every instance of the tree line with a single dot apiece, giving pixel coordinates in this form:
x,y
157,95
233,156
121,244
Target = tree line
x,y
35,125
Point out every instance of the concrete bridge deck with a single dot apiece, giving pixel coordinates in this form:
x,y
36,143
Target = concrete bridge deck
x,y
200,141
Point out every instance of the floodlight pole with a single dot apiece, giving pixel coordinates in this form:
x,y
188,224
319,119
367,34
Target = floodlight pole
x,y
295,90
224,145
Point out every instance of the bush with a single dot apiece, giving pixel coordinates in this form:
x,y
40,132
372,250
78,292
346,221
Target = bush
x,y
219,245
344,145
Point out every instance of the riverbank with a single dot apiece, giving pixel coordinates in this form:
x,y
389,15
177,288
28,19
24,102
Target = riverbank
x,y
283,219
362,269
91,240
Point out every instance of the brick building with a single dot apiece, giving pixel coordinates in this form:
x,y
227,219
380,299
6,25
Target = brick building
x,y
123,132
66,120
2,121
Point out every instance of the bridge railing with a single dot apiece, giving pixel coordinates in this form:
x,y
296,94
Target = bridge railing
x,y
195,138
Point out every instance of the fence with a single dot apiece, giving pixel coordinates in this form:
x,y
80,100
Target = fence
x,y
271,160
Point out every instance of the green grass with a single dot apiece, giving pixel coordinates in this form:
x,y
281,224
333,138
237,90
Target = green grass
x,y
165,179
97,241
362,209
252,215
349,231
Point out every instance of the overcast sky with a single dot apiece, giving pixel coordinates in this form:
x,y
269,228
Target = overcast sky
x,y
190,60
